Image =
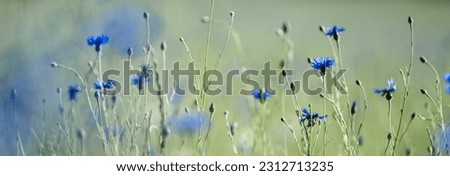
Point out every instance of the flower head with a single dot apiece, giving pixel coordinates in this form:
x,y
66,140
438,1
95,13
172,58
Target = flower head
x,y
321,64
447,77
97,41
447,80
188,123
261,95
329,31
106,85
442,143
73,91
311,117
388,91
353,109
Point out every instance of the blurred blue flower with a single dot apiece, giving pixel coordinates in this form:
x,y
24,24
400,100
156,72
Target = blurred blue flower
x,y
444,142
329,31
447,77
321,64
447,88
73,91
187,124
97,41
264,96
447,80
106,85
390,88
306,115
116,131
138,79
353,109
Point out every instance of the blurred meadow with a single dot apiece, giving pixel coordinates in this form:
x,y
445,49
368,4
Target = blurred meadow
x,y
375,46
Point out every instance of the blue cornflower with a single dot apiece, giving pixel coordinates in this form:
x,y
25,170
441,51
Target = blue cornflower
x,y
97,41
106,85
73,91
261,96
188,123
388,91
321,64
306,115
329,31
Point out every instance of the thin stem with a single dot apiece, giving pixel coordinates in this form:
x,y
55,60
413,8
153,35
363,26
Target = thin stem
x,y
387,147
231,135
407,85
207,133
293,134
390,116
366,105
99,127
221,54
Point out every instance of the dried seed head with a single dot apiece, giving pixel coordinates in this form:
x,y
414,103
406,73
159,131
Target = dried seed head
x,y
408,151
163,46
225,113
286,27
283,72
308,60
53,64
205,19
58,90
413,116
282,63
322,29
233,128
353,109
130,51
360,140
181,39
292,86
410,20
358,82
297,112
423,91
13,94
231,13
336,36
282,120
146,15
389,136
321,96
423,59
186,110
212,108
389,96
81,134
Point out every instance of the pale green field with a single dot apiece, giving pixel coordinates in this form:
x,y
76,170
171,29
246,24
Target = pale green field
x,y
375,46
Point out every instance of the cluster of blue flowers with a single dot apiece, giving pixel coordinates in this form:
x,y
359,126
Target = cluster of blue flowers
x,y
109,85
311,117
